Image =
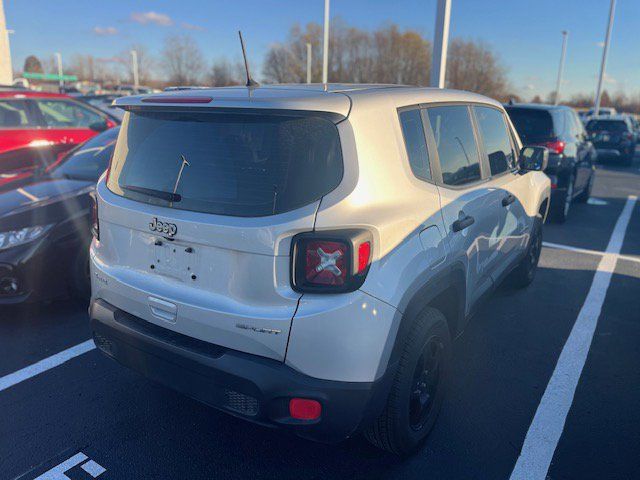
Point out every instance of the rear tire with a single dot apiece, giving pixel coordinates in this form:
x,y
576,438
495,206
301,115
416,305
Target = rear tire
x,y
418,388
526,270
561,205
586,193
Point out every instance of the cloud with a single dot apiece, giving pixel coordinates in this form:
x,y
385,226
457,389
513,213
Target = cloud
x,y
530,86
105,31
600,44
152,17
191,26
609,79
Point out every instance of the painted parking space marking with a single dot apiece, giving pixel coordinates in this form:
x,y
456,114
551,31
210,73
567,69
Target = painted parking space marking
x,y
46,364
587,251
548,422
59,471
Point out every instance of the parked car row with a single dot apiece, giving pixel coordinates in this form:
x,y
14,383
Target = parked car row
x,y
36,127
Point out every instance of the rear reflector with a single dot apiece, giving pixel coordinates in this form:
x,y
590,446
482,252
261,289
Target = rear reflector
x,y
364,253
176,99
304,409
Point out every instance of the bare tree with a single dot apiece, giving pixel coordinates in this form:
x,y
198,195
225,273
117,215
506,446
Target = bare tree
x,y
473,66
224,73
280,65
32,65
146,63
401,57
182,61
386,55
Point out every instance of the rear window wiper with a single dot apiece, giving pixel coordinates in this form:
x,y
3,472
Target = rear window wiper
x,y
168,196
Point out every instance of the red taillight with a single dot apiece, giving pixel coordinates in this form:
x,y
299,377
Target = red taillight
x,y
364,254
95,224
304,409
326,263
555,146
628,135
330,262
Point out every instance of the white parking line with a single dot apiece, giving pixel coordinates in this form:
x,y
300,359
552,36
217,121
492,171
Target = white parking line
x,y
59,471
587,251
44,365
547,425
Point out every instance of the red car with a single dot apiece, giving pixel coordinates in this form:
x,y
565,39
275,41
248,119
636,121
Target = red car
x,y
36,127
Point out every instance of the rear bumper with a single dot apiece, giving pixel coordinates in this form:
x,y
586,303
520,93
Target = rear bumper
x,y
255,388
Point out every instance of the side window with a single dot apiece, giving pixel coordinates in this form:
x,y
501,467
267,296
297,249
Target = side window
x,y
456,143
415,143
13,114
64,114
495,136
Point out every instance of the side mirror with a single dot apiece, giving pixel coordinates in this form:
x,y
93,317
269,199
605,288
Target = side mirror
x,y
534,158
100,126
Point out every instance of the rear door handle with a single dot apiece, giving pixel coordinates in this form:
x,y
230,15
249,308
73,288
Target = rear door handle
x,y
463,223
508,200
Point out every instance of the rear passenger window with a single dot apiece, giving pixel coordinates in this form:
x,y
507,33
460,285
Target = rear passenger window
x,y
416,145
13,114
457,149
496,139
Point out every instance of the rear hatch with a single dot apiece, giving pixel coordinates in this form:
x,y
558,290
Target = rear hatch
x,y
197,215
607,133
534,126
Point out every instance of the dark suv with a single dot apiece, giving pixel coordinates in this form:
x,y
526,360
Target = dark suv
x,y
613,136
571,153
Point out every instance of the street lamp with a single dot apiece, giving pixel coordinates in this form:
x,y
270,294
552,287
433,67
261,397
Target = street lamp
x,y
596,106
134,68
325,52
60,79
565,37
440,44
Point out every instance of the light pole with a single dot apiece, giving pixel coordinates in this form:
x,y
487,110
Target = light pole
x,y
60,80
6,69
605,52
440,44
308,63
565,37
325,52
134,68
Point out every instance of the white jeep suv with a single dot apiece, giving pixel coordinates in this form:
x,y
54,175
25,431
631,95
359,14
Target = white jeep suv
x,y
303,256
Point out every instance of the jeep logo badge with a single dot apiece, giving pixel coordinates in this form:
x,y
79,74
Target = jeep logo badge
x,y
168,229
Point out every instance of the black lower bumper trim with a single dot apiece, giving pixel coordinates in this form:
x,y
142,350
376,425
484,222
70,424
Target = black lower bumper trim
x,y
252,387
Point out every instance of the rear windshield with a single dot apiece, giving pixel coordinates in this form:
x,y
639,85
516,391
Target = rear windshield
x,y
226,163
617,126
532,125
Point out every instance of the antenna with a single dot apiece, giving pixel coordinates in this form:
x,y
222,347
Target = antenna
x,y
250,81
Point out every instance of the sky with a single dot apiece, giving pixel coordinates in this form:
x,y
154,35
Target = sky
x,y
525,35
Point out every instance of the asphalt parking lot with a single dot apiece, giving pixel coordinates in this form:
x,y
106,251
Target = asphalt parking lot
x,y
91,418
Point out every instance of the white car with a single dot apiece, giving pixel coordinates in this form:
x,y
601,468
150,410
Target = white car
x,y
303,256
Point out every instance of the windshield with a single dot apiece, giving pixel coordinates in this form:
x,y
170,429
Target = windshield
x,y
89,160
617,126
233,163
532,125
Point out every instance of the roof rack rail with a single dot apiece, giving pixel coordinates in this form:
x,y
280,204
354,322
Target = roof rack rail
x,y
176,89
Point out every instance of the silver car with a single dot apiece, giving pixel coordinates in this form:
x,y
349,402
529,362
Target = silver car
x,y
303,256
